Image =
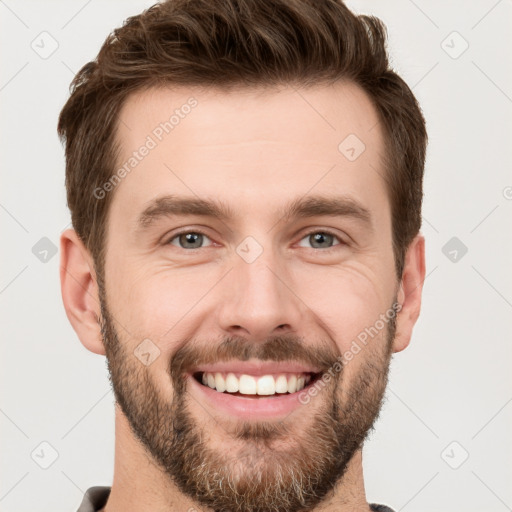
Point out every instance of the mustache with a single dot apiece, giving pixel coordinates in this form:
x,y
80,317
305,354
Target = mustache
x,y
277,348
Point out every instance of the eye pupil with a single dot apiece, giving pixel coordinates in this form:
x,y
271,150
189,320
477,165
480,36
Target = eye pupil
x,y
321,238
192,238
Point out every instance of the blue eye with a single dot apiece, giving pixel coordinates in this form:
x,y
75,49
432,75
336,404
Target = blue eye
x,y
188,240
195,239
319,239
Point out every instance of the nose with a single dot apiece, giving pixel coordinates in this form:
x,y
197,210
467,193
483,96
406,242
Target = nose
x,y
259,300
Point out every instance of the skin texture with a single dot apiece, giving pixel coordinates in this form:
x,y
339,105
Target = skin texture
x,y
254,151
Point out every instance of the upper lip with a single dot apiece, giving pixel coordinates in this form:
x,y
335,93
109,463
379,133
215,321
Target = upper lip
x,y
256,368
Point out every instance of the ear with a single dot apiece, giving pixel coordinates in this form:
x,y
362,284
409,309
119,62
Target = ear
x,y
79,290
409,295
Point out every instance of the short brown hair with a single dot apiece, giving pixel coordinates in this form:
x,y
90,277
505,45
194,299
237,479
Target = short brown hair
x,y
238,43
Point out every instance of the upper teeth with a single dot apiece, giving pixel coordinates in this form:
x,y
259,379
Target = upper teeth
x,y
249,385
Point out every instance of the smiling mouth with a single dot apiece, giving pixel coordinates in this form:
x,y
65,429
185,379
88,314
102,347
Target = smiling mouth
x,y
256,386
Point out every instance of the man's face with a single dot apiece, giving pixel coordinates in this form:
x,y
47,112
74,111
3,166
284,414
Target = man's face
x,y
256,293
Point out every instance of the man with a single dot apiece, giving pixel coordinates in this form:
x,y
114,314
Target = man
x,y
245,184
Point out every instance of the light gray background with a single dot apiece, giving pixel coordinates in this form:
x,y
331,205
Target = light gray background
x,y
452,384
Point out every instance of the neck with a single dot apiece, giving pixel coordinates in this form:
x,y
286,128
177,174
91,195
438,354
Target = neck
x,y
139,484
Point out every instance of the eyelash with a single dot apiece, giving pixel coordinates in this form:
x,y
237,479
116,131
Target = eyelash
x,y
322,231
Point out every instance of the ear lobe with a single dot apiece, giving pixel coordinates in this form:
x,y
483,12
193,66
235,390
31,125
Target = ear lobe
x,y
79,291
409,294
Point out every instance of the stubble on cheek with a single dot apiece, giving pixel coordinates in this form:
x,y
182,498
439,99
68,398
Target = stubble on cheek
x,y
248,466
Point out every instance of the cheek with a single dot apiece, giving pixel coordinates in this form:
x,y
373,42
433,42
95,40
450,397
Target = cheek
x,y
153,300
347,301
158,302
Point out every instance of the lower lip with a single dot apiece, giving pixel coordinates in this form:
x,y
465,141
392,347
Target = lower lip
x,y
247,408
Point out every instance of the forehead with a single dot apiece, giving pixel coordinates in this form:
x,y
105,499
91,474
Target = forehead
x,y
250,148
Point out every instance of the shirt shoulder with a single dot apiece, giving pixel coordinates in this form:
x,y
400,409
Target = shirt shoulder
x,y
380,508
94,499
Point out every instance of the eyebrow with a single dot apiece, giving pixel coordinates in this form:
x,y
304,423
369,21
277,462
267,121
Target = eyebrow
x,y
311,206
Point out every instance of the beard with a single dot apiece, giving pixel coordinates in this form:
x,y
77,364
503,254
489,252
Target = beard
x,y
265,466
